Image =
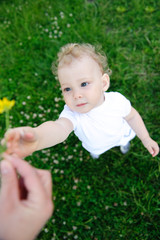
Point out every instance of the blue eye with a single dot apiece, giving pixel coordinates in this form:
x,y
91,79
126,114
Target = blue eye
x,y
67,89
84,84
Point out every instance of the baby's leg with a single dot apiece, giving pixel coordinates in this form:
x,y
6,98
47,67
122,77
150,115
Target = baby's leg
x,y
125,149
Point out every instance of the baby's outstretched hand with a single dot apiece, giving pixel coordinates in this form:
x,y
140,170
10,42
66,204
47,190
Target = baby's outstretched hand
x,y
151,146
21,141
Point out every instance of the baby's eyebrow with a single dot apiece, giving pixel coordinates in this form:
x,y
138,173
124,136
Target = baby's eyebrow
x,y
65,84
84,79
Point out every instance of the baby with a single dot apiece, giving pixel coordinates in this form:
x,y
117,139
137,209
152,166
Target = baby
x,y
101,120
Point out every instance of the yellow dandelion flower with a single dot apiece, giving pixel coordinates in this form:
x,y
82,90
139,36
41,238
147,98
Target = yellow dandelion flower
x,y
6,105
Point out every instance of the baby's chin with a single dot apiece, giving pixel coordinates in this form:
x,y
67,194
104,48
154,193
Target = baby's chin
x,y
83,109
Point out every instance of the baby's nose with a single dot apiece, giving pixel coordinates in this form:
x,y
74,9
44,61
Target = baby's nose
x,y
77,94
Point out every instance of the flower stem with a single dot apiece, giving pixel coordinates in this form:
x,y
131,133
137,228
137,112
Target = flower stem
x,y
7,120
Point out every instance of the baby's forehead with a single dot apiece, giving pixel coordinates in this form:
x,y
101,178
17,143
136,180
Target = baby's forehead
x,y
79,68
70,60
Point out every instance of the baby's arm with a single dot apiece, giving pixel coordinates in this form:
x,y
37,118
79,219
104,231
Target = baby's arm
x,y
25,140
137,124
51,133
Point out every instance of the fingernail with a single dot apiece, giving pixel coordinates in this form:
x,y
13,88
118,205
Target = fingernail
x,y
5,167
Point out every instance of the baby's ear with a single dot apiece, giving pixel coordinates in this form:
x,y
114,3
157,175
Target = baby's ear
x,y
105,81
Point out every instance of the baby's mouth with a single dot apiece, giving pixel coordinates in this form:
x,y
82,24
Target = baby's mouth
x,y
81,104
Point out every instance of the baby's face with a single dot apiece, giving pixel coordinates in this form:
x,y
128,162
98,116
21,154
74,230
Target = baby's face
x,y
83,84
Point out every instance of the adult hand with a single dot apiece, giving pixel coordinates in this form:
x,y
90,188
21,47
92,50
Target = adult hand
x,y
25,201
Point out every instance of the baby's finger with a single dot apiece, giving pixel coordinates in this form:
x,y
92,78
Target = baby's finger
x,y
12,144
28,136
150,150
156,150
12,134
153,150
8,134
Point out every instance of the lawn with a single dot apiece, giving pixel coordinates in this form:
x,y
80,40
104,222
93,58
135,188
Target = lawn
x,y
116,197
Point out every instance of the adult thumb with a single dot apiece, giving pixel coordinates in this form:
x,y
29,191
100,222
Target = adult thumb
x,y
9,182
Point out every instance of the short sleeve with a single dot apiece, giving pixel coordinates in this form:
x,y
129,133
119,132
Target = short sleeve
x,y
122,104
69,114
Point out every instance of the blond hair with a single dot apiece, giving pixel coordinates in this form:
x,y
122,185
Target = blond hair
x,y
72,51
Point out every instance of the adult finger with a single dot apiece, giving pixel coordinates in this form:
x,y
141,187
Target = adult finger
x,y
34,187
9,182
46,180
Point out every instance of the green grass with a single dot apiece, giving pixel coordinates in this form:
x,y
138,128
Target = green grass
x,y
115,197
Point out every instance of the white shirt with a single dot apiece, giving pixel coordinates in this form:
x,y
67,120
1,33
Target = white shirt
x,y
103,127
